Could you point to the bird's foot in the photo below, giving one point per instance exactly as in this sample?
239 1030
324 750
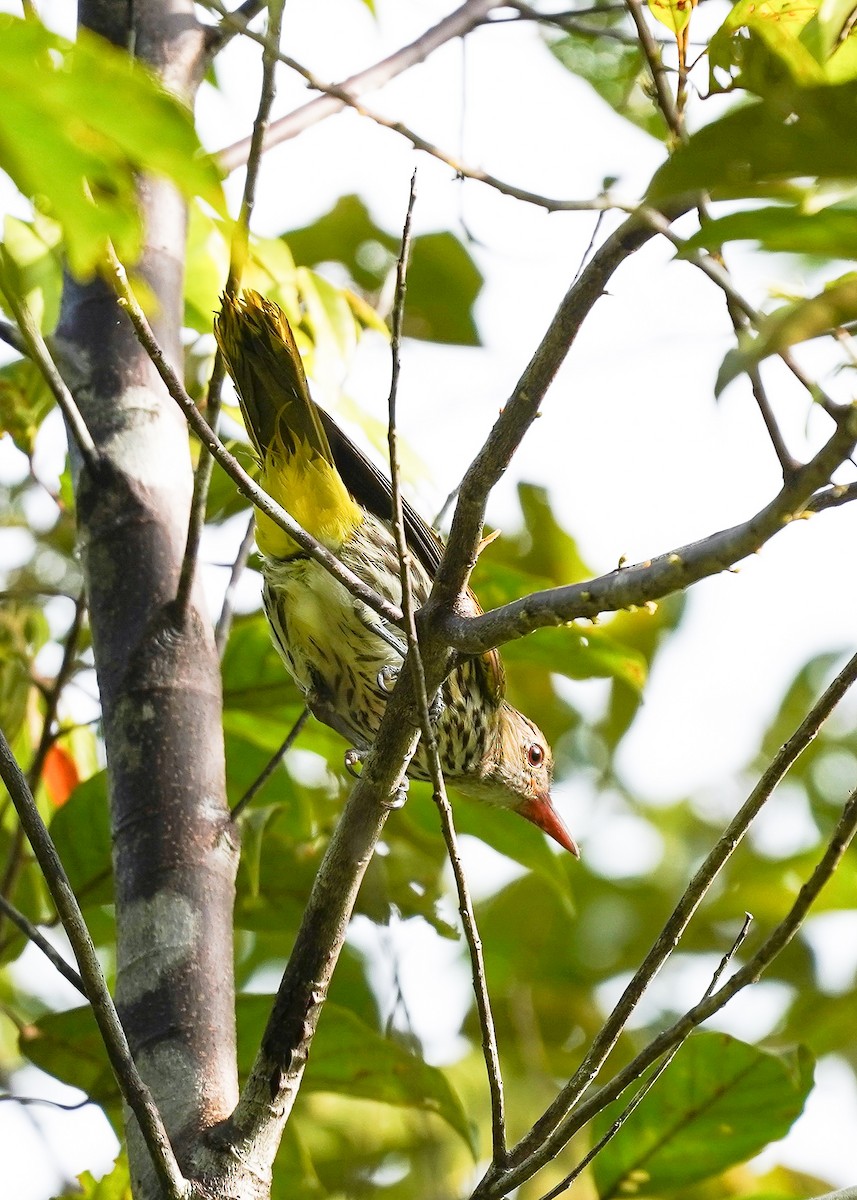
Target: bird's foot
398 798
354 758
387 679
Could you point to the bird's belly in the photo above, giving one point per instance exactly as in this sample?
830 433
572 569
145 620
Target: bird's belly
325 638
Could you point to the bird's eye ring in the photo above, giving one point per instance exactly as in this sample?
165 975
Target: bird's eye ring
535 755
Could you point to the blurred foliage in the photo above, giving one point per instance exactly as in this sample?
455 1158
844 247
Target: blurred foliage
66 141
561 939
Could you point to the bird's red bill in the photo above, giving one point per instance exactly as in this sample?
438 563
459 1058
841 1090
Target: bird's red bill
542 813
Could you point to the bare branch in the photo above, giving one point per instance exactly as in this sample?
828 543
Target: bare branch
457 24
134 1091
10 334
220 35
46 740
641 1094
554 1127
660 76
519 413
658 577
414 663
832 497
246 486
271 765
773 945
713 266
37 350
347 98
224 621
32 933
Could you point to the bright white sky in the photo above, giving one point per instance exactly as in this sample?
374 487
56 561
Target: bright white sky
637 455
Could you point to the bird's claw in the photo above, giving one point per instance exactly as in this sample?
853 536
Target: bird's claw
399 797
387 678
353 759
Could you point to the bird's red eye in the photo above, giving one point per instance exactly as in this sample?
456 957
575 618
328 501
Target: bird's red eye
535 755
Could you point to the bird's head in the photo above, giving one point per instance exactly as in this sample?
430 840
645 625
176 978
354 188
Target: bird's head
517 775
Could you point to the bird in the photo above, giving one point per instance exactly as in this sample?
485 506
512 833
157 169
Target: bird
342 655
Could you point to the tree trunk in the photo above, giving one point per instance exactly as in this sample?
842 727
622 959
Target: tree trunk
175 849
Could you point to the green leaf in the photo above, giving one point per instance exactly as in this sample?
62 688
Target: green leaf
718 1103
443 280
87 860
617 72
352 1059
443 284
35 249
115 1185
79 122
827 231
798 322
25 401
589 653
764 142
348 1057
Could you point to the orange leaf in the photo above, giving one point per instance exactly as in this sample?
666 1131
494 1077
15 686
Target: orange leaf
59 775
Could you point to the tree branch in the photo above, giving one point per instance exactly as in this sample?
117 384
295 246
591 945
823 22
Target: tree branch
37 350
270 766
341 92
134 1091
457 24
224 621
520 411
551 1131
652 580
640 1095
32 933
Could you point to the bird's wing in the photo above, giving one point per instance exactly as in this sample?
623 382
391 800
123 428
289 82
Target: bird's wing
372 490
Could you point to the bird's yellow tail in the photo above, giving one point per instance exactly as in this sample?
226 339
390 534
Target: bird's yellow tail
297 464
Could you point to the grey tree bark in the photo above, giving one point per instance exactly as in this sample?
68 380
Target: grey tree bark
175 848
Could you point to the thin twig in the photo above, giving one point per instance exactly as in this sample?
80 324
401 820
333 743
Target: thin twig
11 335
658 577
641 1094
271 765
25 1101
246 486
31 932
220 35
224 621
553 1128
38 351
714 268
428 738
774 944
237 260
134 1090
660 76
832 497
343 94
15 860
457 24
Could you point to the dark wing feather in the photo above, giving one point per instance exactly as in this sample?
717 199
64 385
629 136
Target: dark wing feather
372 490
